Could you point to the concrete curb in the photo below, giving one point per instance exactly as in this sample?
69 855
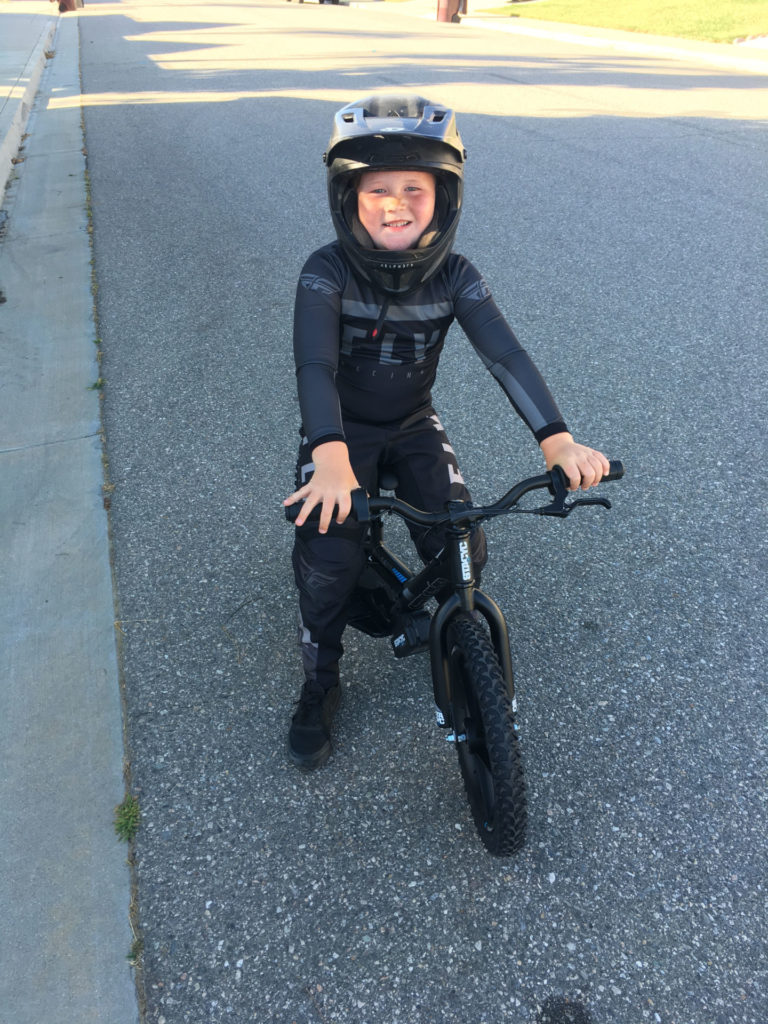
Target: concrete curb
65 884
16 109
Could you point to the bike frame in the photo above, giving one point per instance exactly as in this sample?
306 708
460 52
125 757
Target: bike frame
452 566
451 570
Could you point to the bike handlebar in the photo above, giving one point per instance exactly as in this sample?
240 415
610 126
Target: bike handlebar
554 481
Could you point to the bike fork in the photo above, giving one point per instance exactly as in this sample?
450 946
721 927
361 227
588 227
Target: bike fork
467 600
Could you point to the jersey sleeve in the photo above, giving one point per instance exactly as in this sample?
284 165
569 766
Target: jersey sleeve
496 344
316 346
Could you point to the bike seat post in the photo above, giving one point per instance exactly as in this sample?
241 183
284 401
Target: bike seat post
386 481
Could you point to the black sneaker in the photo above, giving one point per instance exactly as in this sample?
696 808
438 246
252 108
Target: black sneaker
309 738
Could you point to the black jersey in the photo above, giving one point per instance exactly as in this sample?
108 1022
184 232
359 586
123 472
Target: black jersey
362 356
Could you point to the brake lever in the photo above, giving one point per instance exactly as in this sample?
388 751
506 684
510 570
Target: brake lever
560 507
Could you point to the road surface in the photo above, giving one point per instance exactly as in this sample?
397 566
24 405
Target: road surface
616 204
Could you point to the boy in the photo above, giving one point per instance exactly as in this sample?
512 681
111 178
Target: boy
372 311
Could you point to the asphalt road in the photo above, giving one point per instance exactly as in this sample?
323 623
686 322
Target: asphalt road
617 205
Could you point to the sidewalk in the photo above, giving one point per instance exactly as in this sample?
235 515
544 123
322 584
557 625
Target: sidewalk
65 886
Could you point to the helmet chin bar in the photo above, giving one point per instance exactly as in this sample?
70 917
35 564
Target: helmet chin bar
395 272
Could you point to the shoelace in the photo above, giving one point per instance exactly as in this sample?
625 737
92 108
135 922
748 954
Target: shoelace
310 701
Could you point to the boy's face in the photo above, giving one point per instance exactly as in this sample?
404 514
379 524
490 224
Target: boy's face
396 207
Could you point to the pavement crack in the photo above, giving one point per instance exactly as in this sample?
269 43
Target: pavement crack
49 444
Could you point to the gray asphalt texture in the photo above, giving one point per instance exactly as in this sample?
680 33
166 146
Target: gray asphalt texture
619 217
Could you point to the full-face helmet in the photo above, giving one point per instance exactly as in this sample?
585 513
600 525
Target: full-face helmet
395 132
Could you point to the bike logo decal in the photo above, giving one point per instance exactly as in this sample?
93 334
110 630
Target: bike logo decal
466 561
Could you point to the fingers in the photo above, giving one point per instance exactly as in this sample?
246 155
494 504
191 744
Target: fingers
306 508
344 506
586 469
304 495
596 468
591 472
293 498
328 504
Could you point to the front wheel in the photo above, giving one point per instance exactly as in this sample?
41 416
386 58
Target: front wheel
486 739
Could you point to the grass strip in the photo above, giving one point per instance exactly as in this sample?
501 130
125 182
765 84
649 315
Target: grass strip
704 20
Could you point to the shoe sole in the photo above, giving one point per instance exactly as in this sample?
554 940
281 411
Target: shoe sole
309 762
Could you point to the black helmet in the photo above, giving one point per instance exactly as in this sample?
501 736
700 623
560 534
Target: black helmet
395 132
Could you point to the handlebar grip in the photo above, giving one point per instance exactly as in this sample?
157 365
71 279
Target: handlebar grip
359 510
615 472
292 512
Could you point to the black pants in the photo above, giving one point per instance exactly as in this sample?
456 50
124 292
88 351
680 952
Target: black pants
326 567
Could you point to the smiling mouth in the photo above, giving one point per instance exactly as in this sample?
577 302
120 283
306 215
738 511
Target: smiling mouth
396 223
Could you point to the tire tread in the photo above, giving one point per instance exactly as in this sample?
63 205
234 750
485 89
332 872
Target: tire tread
501 741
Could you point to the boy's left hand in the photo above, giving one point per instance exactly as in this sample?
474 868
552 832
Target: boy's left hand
584 467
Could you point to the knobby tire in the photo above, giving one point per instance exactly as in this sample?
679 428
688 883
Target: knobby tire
489 757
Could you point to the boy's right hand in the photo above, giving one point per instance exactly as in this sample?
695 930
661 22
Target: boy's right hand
330 486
